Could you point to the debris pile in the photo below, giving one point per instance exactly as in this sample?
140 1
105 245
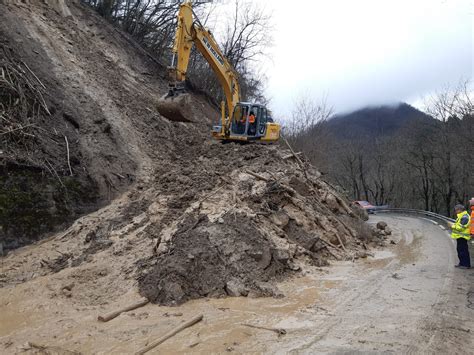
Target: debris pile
239 226
182 216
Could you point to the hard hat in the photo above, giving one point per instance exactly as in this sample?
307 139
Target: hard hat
471 201
459 207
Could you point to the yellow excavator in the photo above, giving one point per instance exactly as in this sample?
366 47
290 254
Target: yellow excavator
247 121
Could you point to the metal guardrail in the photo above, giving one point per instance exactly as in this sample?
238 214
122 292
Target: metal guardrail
421 212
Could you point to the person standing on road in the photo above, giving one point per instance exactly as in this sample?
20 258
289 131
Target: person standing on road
471 204
461 231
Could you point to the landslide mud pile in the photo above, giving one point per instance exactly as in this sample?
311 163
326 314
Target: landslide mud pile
184 216
239 218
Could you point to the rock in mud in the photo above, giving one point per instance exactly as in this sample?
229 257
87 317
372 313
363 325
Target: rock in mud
236 288
381 225
280 219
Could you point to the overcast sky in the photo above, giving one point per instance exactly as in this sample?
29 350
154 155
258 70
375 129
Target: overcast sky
361 52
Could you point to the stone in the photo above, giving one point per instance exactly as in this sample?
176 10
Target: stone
235 288
381 225
332 202
267 289
280 219
281 255
255 254
174 292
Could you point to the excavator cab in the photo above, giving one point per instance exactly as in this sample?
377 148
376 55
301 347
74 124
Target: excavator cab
245 128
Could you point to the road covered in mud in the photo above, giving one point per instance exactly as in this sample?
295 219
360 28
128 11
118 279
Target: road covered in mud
407 298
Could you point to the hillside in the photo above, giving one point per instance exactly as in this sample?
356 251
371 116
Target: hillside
134 203
375 121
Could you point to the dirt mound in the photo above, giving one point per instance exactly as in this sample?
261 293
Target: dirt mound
211 260
263 218
183 216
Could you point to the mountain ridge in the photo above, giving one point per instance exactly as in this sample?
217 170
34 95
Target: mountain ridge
380 120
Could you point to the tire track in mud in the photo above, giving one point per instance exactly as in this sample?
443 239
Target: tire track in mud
413 322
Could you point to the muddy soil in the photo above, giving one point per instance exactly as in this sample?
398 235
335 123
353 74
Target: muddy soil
101 133
406 298
182 216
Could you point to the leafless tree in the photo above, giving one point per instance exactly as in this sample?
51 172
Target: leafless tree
307 116
245 40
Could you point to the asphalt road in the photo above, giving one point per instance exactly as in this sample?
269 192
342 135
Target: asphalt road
414 301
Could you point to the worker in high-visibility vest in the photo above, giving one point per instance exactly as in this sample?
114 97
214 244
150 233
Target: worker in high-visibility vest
471 203
461 231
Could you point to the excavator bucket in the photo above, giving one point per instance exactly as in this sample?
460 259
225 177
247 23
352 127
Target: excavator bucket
176 108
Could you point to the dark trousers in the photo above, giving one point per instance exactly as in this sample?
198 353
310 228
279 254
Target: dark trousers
463 252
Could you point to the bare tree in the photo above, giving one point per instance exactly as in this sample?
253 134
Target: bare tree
307 116
244 41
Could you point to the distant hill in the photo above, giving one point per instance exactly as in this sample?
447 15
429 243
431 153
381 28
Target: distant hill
375 121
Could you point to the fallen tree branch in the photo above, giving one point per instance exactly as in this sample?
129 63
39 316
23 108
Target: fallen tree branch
258 176
170 334
340 242
51 349
112 315
296 156
329 250
31 71
279 331
17 129
290 156
209 195
68 160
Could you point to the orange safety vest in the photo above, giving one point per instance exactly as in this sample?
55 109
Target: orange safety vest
472 221
252 119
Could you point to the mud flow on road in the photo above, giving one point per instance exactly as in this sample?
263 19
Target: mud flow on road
405 299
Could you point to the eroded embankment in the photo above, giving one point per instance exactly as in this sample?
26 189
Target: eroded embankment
184 217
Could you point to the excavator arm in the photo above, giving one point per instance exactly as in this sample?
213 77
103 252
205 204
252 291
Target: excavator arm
191 32
236 124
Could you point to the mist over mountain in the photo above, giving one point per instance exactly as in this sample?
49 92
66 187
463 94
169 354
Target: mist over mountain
375 121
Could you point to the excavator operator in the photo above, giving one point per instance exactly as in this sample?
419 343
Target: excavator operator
252 126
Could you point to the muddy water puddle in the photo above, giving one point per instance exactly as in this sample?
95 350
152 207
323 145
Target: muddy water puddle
225 327
26 318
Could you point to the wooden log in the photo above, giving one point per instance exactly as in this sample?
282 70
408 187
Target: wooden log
258 176
329 250
170 334
112 315
290 156
344 205
296 156
278 331
44 349
340 242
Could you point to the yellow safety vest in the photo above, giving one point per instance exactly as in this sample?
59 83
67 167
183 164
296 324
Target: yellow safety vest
461 230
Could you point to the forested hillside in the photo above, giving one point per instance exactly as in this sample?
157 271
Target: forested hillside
396 155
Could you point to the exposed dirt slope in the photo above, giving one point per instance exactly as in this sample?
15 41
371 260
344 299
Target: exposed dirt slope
188 217
101 92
